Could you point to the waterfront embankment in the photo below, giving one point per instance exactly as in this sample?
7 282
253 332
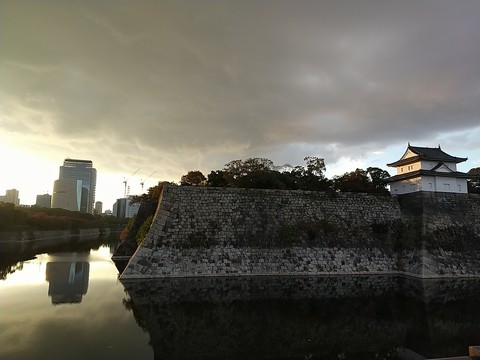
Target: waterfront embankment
36 241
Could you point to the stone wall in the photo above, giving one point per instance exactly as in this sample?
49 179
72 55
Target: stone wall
245 232
450 233
444 213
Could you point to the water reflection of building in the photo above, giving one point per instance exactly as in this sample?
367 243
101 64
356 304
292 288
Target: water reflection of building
68 281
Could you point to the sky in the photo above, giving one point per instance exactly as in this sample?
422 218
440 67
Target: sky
159 88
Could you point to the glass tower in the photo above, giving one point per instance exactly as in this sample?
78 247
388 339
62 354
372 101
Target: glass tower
84 171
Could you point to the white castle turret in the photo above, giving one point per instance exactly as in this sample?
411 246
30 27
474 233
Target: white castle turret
427 169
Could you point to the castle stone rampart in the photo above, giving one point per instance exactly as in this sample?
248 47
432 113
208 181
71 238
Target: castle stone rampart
200 231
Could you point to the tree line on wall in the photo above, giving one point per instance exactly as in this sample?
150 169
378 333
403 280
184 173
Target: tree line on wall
261 173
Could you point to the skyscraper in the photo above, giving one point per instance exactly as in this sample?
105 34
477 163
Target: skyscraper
81 170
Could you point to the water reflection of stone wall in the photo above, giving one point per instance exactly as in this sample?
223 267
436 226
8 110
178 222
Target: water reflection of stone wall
325 317
14 243
223 232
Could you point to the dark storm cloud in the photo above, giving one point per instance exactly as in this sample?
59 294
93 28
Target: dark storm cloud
205 81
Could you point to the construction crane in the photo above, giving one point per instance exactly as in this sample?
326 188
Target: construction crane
125 183
142 182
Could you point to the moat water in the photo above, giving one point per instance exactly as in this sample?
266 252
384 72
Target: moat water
69 304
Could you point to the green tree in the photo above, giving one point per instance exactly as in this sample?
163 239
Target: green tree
378 179
474 182
309 177
315 166
354 181
153 193
238 168
217 179
261 173
9 216
38 218
263 179
250 173
143 231
193 178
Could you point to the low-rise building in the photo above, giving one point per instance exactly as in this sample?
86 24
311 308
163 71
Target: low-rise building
124 208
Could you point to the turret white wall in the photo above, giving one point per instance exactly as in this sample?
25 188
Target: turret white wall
429 183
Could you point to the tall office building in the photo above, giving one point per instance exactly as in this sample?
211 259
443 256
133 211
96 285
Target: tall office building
11 196
83 171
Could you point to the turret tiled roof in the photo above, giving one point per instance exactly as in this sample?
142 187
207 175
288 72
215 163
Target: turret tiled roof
426 153
417 173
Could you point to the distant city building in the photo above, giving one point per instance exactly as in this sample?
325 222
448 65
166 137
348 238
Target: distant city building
115 208
67 194
11 196
83 171
123 208
44 200
427 169
98 208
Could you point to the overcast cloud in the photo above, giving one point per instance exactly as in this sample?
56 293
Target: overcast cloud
194 84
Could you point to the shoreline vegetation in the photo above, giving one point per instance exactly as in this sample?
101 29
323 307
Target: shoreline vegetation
29 219
33 229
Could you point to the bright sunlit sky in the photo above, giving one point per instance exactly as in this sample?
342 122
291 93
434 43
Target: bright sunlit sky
173 86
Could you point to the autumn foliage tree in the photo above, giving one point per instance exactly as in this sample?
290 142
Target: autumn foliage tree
38 218
152 194
139 225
